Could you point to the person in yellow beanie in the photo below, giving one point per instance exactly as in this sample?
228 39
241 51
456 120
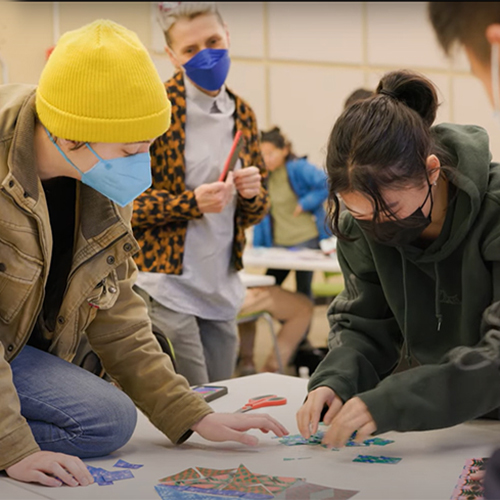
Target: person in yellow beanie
74 153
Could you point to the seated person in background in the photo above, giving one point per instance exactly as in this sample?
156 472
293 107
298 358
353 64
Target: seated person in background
298 191
293 310
357 95
419 247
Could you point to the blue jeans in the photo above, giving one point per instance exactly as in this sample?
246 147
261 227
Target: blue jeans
69 409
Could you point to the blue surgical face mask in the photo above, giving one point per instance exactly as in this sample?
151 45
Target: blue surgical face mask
119 179
495 84
209 68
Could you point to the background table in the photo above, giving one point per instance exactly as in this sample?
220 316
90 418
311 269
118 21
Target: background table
429 469
254 280
304 259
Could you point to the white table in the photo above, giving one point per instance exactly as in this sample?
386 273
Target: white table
253 280
429 469
305 259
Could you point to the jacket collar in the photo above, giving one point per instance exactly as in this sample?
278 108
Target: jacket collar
98 213
176 89
21 158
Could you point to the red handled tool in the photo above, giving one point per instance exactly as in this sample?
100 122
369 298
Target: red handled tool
233 155
262 402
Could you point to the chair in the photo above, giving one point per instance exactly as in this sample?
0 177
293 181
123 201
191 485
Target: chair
247 318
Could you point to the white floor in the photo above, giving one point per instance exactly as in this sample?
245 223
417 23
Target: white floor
430 466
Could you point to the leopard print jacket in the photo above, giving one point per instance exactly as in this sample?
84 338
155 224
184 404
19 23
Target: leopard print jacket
161 214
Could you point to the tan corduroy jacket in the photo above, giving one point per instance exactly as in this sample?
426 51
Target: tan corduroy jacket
113 316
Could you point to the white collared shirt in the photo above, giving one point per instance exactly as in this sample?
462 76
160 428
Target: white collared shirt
209 287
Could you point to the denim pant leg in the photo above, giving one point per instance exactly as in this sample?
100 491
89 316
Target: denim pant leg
69 409
220 344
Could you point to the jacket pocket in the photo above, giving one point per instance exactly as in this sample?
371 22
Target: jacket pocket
105 293
18 275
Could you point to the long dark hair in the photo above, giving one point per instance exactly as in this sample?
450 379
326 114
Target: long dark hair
278 140
383 142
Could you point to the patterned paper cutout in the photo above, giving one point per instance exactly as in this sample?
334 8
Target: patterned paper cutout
185 474
242 484
117 475
467 488
276 484
223 494
174 493
315 439
378 441
215 472
371 459
127 465
104 477
304 491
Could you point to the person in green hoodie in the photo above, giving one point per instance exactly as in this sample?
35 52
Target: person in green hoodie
419 248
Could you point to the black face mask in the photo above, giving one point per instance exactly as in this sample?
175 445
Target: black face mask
400 232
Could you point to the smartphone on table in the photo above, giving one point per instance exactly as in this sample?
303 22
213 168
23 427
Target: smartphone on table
210 392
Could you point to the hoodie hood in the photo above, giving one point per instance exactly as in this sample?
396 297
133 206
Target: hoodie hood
468 148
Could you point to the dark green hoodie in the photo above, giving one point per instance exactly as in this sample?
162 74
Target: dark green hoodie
440 305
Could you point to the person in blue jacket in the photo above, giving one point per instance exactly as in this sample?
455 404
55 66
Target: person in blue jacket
298 191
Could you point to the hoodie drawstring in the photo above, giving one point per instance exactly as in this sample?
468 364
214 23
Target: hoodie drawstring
437 305
405 321
438 314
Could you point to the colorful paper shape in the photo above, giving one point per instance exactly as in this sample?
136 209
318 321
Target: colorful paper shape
175 493
305 491
378 441
185 474
242 484
315 439
468 488
371 459
105 477
127 465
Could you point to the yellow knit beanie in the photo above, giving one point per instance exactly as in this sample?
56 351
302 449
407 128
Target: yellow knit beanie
100 85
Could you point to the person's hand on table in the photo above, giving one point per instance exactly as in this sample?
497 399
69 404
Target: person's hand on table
343 419
247 181
352 417
309 414
233 427
213 197
51 469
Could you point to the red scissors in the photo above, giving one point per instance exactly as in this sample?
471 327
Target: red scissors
262 402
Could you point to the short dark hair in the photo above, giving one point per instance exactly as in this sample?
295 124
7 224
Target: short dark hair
381 142
276 137
464 23
356 95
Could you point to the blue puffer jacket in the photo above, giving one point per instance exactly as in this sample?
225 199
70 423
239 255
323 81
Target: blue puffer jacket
310 184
